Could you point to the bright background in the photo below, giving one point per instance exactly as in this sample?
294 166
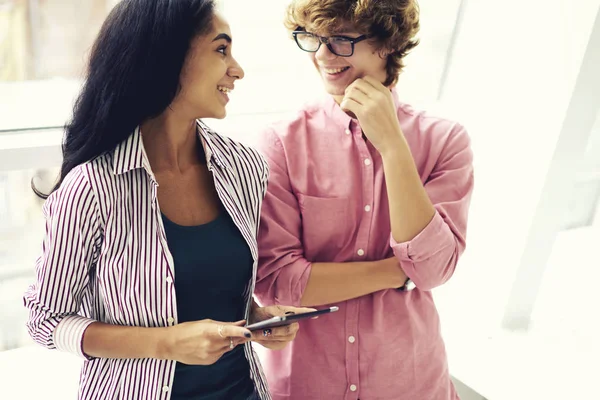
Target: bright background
518 316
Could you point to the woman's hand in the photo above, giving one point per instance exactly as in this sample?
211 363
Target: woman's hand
276 338
203 342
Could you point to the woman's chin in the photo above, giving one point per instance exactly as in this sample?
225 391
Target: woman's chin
221 115
217 114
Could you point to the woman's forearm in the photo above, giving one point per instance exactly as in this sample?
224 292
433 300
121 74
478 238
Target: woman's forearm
113 341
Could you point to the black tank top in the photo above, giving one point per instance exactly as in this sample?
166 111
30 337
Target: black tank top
213 266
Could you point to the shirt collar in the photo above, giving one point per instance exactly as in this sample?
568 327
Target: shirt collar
211 142
131 154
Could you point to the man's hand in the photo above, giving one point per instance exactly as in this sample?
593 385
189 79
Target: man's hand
276 338
373 105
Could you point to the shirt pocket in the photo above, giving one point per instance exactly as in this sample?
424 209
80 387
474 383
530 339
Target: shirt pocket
324 226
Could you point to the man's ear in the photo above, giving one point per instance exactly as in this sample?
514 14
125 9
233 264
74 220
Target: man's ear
384 53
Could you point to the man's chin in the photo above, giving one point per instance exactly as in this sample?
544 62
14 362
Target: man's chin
335 90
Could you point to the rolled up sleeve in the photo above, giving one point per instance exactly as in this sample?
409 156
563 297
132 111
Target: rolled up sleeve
62 271
283 271
430 258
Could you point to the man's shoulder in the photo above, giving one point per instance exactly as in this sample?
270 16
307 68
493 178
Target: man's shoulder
432 123
298 122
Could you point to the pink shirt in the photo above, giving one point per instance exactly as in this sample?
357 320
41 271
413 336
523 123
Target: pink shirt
326 202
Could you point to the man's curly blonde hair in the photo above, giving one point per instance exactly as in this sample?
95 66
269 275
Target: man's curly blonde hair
390 24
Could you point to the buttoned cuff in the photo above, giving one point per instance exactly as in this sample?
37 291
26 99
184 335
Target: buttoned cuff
68 335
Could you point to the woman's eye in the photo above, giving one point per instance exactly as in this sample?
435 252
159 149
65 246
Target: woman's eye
222 50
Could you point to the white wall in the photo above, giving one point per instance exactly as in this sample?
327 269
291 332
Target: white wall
510 82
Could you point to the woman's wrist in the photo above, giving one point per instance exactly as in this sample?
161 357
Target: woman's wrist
162 339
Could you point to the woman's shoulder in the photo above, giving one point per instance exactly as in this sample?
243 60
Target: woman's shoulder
236 152
74 193
82 181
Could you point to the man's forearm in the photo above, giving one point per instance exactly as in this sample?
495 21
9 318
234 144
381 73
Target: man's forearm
411 209
330 283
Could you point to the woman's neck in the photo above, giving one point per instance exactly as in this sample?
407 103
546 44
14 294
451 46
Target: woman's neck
171 143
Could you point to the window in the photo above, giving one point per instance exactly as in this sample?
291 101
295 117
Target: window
42 57
43 48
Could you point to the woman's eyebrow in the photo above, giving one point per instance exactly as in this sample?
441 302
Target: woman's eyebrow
222 36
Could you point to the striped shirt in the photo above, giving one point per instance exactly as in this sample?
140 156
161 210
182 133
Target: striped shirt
105 258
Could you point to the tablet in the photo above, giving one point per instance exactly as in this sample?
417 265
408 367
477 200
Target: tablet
288 319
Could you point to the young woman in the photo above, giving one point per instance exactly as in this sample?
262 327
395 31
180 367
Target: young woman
149 260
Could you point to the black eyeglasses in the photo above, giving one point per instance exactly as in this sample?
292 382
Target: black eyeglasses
342 46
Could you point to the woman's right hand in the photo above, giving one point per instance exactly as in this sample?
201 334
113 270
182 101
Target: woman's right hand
203 342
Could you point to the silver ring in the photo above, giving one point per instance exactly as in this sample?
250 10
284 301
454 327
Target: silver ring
221 327
231 343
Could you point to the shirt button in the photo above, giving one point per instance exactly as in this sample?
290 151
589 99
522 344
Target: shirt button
367 161
367 208
360 252
348 131
352 339
169 279
353 388
170 320
165 389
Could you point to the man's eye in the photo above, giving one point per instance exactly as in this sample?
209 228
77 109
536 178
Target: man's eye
339 40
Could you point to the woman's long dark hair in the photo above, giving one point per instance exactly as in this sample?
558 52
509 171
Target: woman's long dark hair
133 74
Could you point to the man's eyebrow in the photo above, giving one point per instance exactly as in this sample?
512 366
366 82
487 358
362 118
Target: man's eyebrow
222 36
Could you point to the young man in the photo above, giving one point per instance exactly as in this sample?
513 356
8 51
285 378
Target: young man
366 209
